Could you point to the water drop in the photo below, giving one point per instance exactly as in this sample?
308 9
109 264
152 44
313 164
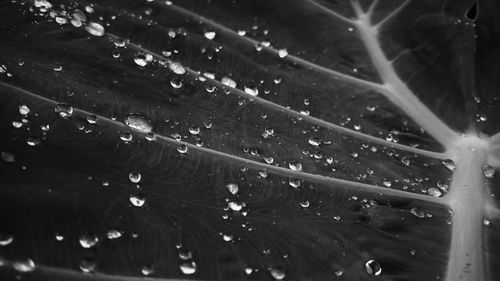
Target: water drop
314 141
143 59
7 157
417 212
135 177
87 265
235 205
188 267
64 110
95 29
24 109
277 273
228 237
25 265
88 240
137 200
138 122
176 83
177 68
6 239
182 148
42 4
113 234
194 130
488 171
210 35
252 91
434 192
126 137
232 188
282 53
147 270
295 166
304 204
373 268
228 82
294 183
91 119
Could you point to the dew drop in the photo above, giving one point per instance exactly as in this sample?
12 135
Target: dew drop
64 110
251 91
137 200
87 265
6 239
228 82
232 188
182 148
227 237
235 205
294 183
194 130
486 222
417 212
147 270
113 234
489 171
282 53
373 268
314 141
295 166
277 273
138 122
88 240
434 192
95 29
134 177
24 109
210 35
25 265
188 267
143 59
177 68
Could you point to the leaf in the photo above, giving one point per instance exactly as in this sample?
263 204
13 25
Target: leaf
248 140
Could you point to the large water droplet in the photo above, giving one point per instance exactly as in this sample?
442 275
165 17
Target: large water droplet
143 59
88 240
188 267
113 234
252 91
137 200
24 109
138 122
228 82
489 171
277 273
177 68
64 110
6 239
434 192
25 265
373 268
232 188
134 177
282 53
95 29
210 35
295 166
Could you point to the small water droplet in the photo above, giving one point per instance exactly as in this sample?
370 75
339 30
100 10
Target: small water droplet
314 141
235 205
143 59
294 183
489 171
304 204
64 110
373 268
88 240
486 222
417 212
227 237
138 122
95 29
188 267
232 188
7 157
194 130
